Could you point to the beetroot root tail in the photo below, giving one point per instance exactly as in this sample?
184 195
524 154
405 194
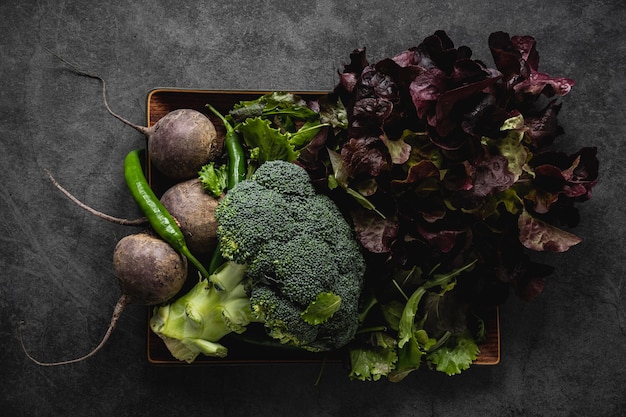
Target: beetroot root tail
121 304
142 221
144 130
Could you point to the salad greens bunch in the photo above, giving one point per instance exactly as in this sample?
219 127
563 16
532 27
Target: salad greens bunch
446 169
456 158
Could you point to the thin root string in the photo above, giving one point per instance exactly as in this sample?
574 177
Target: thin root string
121 304
76 69
142 221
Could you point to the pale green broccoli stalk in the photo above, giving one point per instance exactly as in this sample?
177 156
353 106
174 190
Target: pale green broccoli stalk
195 322
304 263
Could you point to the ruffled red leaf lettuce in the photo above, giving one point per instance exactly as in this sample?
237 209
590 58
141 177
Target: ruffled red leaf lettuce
447 161
517 58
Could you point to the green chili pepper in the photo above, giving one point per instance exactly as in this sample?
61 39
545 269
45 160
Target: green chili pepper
160 219
236 171
234 151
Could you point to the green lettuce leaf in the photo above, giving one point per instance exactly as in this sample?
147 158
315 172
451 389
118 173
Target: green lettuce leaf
214 178
278 103
322 308
374 360
276 126
455 356
409 359
399 150
265 142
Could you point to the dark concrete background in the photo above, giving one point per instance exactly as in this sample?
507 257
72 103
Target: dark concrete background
562 355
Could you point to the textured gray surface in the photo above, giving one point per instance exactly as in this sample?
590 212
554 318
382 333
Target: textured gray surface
562 355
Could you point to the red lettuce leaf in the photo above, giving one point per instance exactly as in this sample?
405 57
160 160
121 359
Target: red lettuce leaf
518 59
367 156
418 172
426 136
557 173
543 128
426 89
536 234
375 233
491 174
441 235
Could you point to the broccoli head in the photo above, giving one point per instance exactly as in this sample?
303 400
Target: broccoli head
304 264
292 263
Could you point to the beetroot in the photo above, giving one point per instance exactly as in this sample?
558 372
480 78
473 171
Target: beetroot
149 272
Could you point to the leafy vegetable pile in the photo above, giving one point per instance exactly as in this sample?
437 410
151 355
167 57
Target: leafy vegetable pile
379 220
446 169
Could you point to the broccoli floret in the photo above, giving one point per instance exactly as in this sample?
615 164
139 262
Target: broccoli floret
195 322
276 262
284 178
281 317
263 209
297 245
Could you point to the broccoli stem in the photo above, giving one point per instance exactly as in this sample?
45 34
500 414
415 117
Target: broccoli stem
198 320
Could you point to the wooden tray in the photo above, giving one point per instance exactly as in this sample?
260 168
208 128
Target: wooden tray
161 101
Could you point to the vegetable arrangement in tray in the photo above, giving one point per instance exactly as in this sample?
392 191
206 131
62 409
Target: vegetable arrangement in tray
377 221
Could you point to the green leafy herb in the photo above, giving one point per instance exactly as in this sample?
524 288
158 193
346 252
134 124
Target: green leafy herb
457 356
214 178
265 142
322 308
374 360
276 126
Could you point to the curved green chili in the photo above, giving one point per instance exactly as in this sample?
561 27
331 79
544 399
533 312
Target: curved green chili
236 171
160 219
234 151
